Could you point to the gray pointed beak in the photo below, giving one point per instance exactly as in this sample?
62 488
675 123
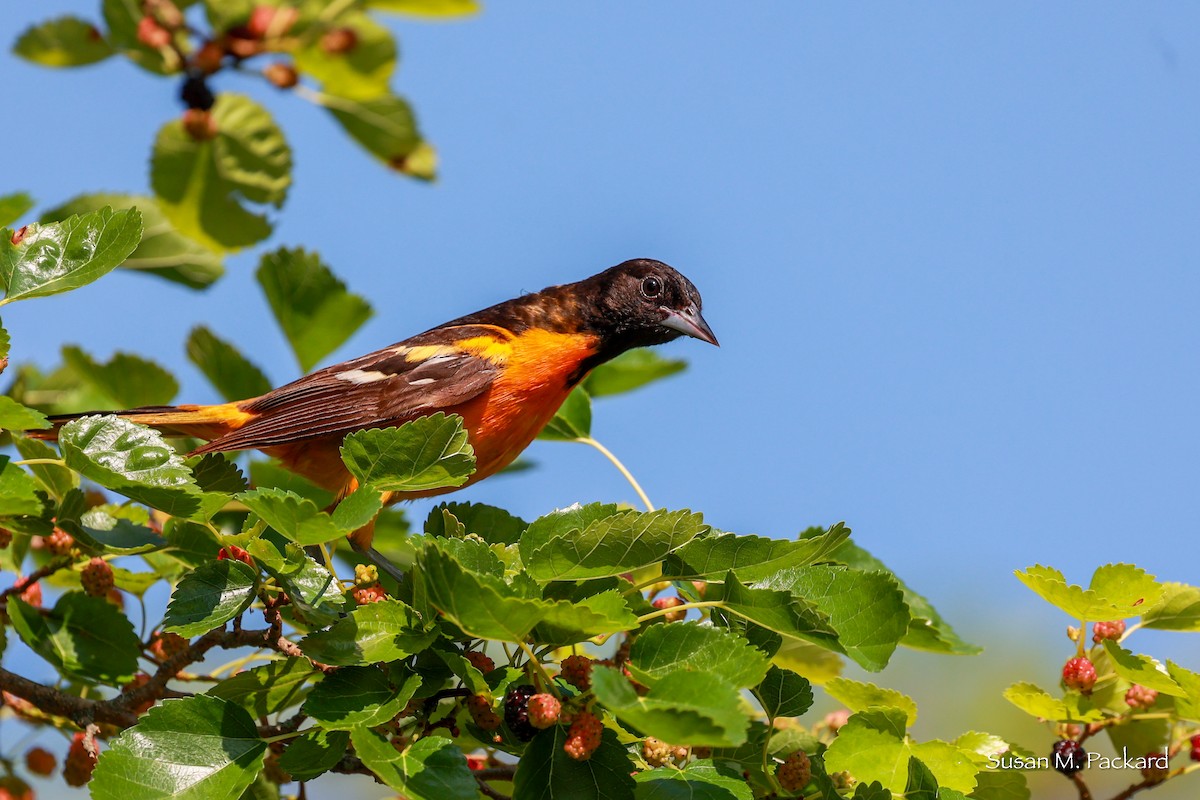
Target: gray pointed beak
689 323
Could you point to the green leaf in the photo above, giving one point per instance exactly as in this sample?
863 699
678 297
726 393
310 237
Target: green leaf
314 592
1038 703
493 525
432 768
662 649
85 638
383 125
189 749
122 18
214 472
314 753
752 558
364 71
105 529
926 630
18 492
63 42
267 689
12 208
359 696
357 509
631 370
865 608
227 370
858 696
428 453
16 417
562 522
486 607
781 612
210 596
1177 610
315 310
699 780
880 753
55 479
163 250
784 694
269 475
130 459
693 708
1186 707
1141 669
1000 784
201 186
546 772
61 256
573 420
614 545
5 347
384 631
1117 591
131 381
817 664
292 515
427 8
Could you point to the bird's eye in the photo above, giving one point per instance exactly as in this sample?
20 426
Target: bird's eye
652 287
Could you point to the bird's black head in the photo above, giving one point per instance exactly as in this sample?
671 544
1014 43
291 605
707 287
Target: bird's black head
644 302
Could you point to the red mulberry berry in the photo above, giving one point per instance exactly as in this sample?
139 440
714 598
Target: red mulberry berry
233 552
40 761
1139 696
81 760
167 645
151 34
480 661
369 594
477 763
339 40
1079 673
281 76
670 602
13 788
33 594
1157 767
1108 630
583 737
97 577
577 671
480 709
795 772
544 710
59 543
1068 756
5 538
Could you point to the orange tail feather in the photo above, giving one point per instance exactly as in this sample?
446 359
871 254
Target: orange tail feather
202 422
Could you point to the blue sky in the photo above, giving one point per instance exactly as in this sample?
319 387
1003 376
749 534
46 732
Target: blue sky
950 252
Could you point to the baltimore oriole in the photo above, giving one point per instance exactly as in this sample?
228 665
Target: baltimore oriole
505 370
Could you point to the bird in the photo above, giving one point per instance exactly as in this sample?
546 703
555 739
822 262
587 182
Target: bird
505 370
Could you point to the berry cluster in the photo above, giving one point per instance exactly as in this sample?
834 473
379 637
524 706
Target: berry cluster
583 737
480 661
97 578
480 709
1138 696
1108 630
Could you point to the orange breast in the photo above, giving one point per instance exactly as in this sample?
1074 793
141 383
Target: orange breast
502 421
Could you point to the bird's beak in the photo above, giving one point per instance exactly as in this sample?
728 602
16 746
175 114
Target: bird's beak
689 323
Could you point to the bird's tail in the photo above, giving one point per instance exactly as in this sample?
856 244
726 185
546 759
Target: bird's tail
202 422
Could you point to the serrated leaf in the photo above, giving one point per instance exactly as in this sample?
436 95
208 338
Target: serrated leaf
60 256
355 697
16 417
85 638
130 459
357 509
784 694
1117 591
315 310
859 696
267 689
57 480
230 373
387 630
364 71
1039 703
662 649
293 516
631 370
817 664
427 453
546 772
383 125
1000 784
752 558
865 608
691 708
1177 610
700 780
269 475
779 611
214 472
871 754
12 208
103 531
185 749
614 545
314 591
562 522
314 753
201 186
431 768
1142 670
572 421
1186 707
130 380
210 596
62 42
163 251
18 491
493 525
